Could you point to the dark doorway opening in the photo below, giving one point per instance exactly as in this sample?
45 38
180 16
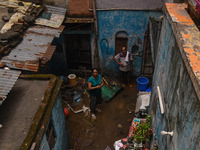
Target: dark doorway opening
119 43
78 51
121 40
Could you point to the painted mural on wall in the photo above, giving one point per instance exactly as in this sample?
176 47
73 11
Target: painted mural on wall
127 24
181 104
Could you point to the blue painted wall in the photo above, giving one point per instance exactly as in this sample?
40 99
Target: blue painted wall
134 23
59 123
181 104
44 144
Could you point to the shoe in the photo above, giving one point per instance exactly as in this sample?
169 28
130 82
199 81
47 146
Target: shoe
98 110
94 117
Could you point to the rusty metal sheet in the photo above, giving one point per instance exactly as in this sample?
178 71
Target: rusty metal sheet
35 47
56 10
57 15
7 81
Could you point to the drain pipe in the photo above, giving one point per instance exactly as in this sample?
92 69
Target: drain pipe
167 133
88 2
160 100
96 51
151 41
158 37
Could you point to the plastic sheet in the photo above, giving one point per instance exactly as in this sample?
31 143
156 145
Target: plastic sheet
108 92
142 101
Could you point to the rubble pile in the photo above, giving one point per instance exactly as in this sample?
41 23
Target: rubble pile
13 36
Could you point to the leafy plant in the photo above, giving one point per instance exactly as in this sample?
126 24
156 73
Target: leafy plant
142 131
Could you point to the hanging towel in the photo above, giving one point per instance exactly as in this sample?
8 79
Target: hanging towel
127 57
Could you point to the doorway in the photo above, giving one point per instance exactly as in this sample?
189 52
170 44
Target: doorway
121 40
119 43
78 51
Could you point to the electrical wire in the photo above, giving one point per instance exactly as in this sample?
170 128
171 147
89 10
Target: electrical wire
77 26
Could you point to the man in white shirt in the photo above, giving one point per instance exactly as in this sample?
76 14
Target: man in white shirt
125 64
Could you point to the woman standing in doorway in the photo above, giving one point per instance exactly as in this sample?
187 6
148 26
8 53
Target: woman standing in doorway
95 82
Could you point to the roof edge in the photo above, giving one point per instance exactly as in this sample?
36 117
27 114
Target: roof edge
41 117
187 36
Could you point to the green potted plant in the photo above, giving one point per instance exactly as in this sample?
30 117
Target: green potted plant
142 133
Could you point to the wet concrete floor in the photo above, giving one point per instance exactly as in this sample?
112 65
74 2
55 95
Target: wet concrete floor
112 122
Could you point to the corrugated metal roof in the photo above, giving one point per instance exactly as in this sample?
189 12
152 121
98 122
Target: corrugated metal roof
56 18
7 80
56 10
34 50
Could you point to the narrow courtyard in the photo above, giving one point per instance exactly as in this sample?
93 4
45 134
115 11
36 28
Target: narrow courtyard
112 123
58 57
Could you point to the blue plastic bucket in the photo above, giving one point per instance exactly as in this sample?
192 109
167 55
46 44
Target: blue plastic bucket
142 83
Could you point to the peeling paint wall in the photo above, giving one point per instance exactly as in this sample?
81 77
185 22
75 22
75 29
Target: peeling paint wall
181 104
58 118
44 144
134 23
59 123
80 8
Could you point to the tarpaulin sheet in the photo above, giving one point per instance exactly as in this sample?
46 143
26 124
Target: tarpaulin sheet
108 92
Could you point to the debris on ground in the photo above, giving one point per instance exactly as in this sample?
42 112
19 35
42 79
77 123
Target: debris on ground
119 126
84 109
108 148
108 92
109 89
77 100
16 22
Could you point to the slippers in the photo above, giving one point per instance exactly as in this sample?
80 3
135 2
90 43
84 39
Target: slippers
94 117
97 109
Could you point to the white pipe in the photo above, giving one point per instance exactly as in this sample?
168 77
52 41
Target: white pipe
160 100
89 6
84 109
167 133
33 146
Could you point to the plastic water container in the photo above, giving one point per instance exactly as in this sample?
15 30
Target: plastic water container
142 83
72 79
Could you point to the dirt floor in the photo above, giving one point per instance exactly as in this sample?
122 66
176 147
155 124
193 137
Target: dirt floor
112 122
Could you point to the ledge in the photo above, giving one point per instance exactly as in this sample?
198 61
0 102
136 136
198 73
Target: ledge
187 36
41 118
